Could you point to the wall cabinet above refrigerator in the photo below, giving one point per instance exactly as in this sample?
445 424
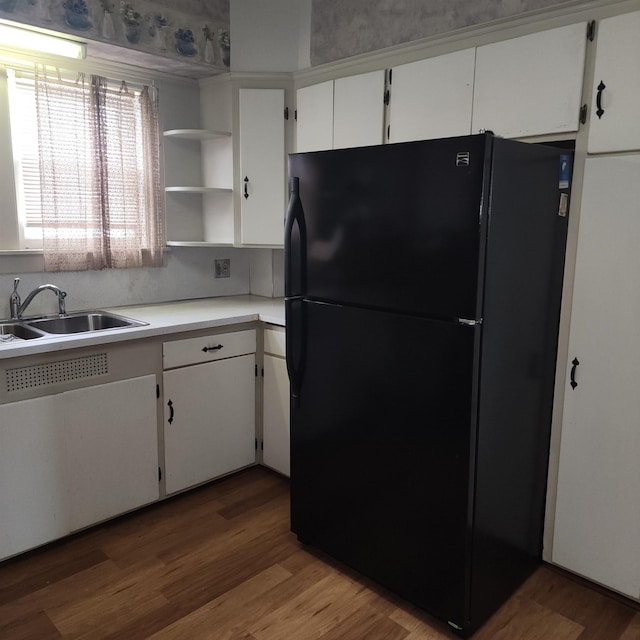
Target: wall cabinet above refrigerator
526 86
347 112
530 85
432 98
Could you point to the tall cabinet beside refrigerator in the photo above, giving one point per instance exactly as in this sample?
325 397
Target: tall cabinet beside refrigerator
423 284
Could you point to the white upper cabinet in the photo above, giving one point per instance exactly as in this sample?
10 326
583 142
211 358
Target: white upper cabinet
358 110
615 98
262 162
530 85
348 112
432 98
314 117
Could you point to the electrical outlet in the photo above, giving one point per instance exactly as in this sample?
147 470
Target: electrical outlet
222 268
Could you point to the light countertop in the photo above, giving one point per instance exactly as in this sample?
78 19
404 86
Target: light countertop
163 319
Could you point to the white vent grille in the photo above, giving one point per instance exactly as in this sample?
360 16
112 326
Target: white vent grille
42 375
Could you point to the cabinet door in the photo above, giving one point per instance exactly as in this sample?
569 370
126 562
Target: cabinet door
432 98
597 523
209 426
111 432
314 117
358 110
276 415
617 55
34 502
262 162
530 85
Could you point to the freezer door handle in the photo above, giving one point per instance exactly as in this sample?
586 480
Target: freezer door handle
295 243
469 323
295 320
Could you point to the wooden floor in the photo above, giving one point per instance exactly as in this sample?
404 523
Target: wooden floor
220 563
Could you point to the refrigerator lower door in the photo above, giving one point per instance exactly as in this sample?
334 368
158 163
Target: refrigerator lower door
380 449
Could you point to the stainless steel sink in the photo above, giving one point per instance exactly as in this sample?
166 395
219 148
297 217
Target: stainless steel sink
82 322
19 330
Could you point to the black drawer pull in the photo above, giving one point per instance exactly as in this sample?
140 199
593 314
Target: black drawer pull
216 348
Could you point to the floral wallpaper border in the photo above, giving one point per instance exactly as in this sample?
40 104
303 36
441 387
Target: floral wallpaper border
201 36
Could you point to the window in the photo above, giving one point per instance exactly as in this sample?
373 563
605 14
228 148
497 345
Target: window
86 158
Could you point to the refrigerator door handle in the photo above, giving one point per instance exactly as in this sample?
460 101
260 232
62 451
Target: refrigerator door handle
468 322
295 243
295 322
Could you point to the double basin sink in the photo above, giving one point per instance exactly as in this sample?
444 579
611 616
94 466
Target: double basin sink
80 322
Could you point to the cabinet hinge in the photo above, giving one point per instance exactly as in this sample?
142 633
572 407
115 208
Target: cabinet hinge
591 30
388 132
583 114
390 76
261 445
157 391
295 115
262 371
159 474
256 371
387 96
286 113
256 444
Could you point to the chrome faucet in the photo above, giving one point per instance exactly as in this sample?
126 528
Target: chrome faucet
17 307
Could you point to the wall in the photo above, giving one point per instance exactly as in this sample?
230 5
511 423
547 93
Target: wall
160 34
270 36
342 29
188 272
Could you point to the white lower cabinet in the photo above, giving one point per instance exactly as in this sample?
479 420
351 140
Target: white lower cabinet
209 426
34 502
275 425
597 520
112 445
75 458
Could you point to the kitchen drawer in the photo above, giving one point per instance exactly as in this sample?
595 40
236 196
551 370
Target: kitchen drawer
274 342
179 353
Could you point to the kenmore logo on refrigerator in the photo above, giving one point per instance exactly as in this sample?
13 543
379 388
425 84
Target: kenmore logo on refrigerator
462 159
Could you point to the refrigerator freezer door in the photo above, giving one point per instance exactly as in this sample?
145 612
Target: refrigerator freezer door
384 398
395 226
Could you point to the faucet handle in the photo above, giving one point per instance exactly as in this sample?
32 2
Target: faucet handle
14 300
62 309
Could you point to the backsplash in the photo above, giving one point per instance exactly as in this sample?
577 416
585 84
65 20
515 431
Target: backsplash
188 274
190 37
343 29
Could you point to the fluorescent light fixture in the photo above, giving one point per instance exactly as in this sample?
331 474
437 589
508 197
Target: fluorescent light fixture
26 40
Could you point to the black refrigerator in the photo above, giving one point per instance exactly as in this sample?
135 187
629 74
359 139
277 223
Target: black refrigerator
422 289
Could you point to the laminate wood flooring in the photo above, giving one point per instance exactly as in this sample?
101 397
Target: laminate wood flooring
220 563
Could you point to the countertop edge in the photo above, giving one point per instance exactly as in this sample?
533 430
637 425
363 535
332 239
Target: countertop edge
163 319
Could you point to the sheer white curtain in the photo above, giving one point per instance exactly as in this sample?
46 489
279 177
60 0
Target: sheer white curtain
99 150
